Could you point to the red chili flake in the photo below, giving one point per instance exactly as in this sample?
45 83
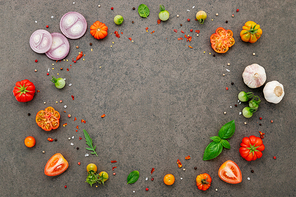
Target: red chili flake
79 56
74 61
147 189
36 61
260 118
158 21
237 10
152 32
103 116
274 157
188 157
72 97
65 186
47 26
226 88
47 74
197 31
146 28
80 138
152 170
114 173
50 139
75 119
38 90
271 121
115 32
179 163
121 32
175 30
188 20
76 130
113 168
189 38
195 19
261 135
191 30
180 38
190 47
182 32
152 179
78 163
130 39
77 127
113 161
83 121
112 8
69 115
67 69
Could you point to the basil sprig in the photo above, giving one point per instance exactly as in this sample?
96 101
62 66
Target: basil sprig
215 148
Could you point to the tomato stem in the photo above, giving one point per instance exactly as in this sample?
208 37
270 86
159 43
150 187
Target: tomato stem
22 89
201 21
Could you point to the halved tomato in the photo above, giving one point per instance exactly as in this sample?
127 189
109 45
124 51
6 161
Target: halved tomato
230 172
56 165
222 40
48 119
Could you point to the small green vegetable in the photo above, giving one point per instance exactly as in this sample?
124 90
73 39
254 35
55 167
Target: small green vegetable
89 143
91 178
254 103
215 148
133 177
163 15
244 96
118 19
58 82
143 10
248 112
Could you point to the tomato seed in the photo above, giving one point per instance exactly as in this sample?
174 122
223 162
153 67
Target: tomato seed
36 61
112 8
274 157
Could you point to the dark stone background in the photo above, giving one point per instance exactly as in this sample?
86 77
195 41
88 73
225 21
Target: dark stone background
162 100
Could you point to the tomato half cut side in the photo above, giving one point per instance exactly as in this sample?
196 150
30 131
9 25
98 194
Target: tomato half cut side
56 165
230 172
48 119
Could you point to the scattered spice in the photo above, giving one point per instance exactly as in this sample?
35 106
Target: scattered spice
50 139
47 26
112 8
226 21
147 189
65 186
79 163
188 19
152 179
226 88
274 157
103 116
152 32
252 171
75 118
260 124
90 44
158 21
181 25
114 173
72 97
133 22
77 127
83 121
61 68
69 115
77 148
237 10
180 38
113 161
182 32
79 56
261 135
188 157
191 30
64 124
175 30
113 168
235 105
232 83
214 55
146 28
67 69
130 39
260 118
152 170
29 114
74 62
197 31
134 8
195 168
271 121
179 163
36 61
80 138
47 74
190 47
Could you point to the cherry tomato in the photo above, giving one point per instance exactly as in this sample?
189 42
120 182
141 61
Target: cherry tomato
230 172
92 167
30 141
56 165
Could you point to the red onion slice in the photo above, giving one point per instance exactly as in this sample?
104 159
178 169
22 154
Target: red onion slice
60 47
40 41
73 25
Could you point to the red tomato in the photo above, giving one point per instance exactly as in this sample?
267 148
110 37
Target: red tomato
251 148
24 90
30 141
203 181
230 172
56 165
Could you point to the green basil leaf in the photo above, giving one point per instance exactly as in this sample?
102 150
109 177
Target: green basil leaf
133 177
227 130
215 138
143 10
212 150
225 143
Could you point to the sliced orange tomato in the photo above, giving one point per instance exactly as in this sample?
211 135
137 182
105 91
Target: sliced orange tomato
230 172
251 32
56 165
222 40
48 119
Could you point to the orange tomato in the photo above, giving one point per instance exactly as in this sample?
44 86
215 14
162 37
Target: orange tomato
222 40
203 181
169 179
251 32
48 119
99 30
230 172
30 141
56 165
92 167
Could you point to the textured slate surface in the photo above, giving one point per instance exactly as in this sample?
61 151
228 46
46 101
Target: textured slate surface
162 100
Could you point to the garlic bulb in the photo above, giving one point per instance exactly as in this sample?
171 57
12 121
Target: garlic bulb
254 76
273 92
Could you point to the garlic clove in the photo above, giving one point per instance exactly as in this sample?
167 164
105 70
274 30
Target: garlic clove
273 92
254 76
